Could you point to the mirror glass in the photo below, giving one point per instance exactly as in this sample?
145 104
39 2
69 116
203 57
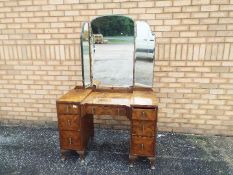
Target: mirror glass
144 55
113 51
86 55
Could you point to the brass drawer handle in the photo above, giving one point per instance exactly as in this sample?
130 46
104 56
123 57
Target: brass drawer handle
67 108
142 146
70 140
68 122
143 114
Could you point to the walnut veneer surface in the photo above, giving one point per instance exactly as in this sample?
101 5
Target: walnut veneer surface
75 111
137 97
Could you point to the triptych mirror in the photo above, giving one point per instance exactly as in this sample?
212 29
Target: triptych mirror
117 52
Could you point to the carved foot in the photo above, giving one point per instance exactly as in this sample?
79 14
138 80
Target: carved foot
131 160
152 163
63 156
81 155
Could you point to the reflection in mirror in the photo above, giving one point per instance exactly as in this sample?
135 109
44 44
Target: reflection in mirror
113 50
85 52
144 55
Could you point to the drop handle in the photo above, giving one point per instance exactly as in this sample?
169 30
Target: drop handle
143 114
67 108
70 140
142 146
68 122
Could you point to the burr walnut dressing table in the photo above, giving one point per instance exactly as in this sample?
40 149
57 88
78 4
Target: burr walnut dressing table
133 98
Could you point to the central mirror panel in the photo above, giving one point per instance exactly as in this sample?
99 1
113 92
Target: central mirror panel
113 51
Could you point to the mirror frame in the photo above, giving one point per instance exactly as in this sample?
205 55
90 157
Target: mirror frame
134 53
82 54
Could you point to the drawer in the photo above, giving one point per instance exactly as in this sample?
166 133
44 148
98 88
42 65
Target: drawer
69 122
106 110
143 127
144 114
143 146
70 140
67 108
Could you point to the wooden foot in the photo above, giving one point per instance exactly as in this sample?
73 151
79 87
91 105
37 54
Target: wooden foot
152 163
81 155
131 160
63 157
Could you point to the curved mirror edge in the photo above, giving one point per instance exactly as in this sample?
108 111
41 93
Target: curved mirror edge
144 55
85 55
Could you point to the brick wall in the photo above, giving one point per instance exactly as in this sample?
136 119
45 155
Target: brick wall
40 59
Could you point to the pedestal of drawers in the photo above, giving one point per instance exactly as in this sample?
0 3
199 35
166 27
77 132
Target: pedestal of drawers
74 129
143 134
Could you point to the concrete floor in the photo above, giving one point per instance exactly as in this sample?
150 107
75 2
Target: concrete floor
36 151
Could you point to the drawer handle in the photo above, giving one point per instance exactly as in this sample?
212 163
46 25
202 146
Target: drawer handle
67 108
68 121
142 146
70 140
143 114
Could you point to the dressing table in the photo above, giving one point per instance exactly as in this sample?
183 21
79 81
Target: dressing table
77 108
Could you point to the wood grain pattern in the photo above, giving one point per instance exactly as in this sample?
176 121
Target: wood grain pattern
143 146
67 108
143 128
69 122
105 110
70 140
143 114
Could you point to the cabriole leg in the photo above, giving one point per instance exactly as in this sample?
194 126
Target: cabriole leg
152 162
132 160
63 157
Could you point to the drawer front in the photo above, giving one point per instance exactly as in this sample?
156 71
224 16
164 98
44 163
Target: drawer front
144 114
70 140
67 108
106 110
69 122
143 146
143 128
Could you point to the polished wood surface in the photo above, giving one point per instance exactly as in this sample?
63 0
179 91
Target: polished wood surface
143 114
143 128
76 109
143 146
75 95
69 122
64 108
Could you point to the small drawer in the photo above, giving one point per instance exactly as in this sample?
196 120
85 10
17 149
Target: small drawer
143 146
143 128
67 108
106 110
70 140
69 122
144 114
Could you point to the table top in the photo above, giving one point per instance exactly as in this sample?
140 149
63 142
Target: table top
90 96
